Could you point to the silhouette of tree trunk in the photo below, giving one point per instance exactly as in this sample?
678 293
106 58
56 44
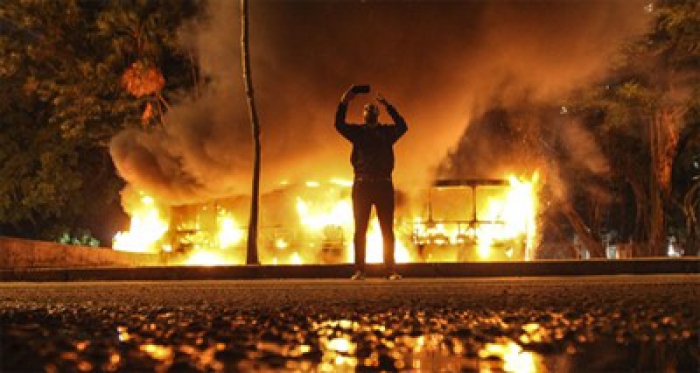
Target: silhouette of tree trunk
591 241
641 219
691 204
664 145
252 247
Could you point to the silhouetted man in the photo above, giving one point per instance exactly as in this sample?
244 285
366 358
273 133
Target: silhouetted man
373 162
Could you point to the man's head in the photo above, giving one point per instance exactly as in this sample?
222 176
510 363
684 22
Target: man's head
371 115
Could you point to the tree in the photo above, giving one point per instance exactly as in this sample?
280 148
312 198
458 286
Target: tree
643 107
62 100
686 179
252 252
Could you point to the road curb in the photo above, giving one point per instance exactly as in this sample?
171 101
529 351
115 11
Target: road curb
412 270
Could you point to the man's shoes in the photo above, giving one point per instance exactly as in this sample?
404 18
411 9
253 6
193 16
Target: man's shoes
394 276
359 275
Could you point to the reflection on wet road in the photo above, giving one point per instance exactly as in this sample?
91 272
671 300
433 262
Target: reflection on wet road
514 325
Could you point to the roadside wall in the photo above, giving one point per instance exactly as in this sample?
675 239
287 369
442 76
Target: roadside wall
18 253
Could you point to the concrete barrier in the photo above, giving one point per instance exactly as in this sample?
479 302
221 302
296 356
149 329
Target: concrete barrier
18 253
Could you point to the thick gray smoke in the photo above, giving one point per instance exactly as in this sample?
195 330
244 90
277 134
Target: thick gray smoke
440 63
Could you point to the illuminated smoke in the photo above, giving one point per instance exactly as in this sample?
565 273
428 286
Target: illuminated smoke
442 64
525 138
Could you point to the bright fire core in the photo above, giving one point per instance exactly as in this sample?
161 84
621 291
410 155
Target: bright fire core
312 223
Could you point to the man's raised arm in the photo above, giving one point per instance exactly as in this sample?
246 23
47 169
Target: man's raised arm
348 131
399 123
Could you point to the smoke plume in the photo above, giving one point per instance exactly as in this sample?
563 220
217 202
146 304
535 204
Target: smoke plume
442 64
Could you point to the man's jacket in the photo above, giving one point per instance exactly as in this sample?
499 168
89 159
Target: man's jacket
372 148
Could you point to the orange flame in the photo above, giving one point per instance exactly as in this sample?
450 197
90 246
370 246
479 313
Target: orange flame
148 225
324 220
517 212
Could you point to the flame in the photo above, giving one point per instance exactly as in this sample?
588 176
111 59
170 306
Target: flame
321 224
375 246
507 219
229 233
317 217
341 182
296 259
147 225
205 258
338 214
281 243
517 213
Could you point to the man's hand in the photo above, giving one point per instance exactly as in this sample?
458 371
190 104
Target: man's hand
382 100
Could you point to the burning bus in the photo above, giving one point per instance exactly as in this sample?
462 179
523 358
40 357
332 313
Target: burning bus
477 219
312 223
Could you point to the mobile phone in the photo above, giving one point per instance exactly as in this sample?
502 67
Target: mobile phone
362 88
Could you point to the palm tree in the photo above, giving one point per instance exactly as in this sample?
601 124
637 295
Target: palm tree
252 249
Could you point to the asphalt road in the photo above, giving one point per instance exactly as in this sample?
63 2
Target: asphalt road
604 323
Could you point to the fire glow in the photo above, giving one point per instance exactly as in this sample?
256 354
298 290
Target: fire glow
517 212
147 226
318 229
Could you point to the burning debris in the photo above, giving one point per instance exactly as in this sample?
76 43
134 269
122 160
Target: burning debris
312 223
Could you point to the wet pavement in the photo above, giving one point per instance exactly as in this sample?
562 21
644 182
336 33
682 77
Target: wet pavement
562 324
